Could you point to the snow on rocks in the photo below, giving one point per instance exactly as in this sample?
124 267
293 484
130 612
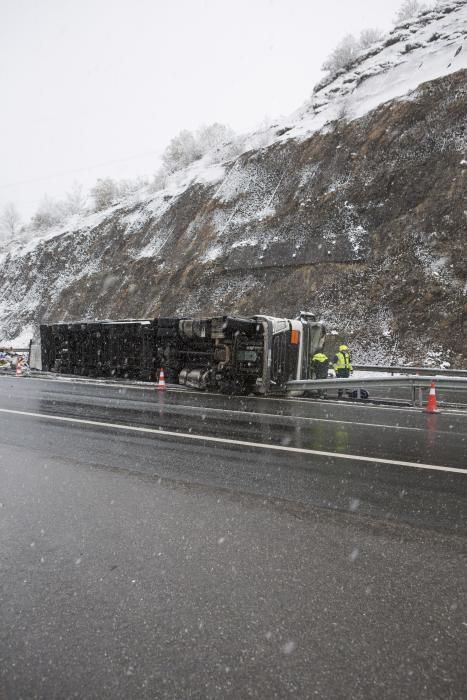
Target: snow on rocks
431 46
212 253
21 340
245 243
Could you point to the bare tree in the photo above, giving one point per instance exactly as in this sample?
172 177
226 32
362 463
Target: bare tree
343 55
213 135
48 214
159 181
369 36
104 193
409 9
131 185
10 221
75 200
181 151
187 146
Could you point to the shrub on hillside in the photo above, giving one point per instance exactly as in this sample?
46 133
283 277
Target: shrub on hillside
104 193
48 214
187 146
75 201
342 56
181 151
409 9
10 221
369 36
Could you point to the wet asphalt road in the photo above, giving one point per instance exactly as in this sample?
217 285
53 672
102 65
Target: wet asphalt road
138 565
421 496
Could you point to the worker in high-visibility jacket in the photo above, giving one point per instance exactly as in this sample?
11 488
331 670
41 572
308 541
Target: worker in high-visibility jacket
320 365
319 368
342 365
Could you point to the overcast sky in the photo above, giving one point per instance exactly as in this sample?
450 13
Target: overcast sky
91 88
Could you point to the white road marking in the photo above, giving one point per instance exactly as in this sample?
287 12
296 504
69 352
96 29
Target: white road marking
243 443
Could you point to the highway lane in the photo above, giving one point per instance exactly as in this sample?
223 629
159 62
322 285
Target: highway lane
140 565
405 434
423 496
116 585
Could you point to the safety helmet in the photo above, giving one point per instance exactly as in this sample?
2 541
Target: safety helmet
343 348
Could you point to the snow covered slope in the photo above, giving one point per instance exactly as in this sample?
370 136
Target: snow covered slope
423 49
354 207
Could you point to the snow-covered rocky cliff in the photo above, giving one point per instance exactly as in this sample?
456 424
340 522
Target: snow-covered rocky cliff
354 207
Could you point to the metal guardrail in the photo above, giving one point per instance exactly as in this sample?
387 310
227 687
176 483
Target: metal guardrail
351 383
423 371
414 382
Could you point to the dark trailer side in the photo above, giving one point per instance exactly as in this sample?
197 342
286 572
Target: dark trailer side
224 353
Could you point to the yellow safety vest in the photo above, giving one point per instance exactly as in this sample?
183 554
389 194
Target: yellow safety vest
343 361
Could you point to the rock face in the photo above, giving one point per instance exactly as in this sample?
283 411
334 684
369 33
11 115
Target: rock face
363 222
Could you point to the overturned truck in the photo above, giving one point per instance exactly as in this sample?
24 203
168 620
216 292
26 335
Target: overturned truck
231 354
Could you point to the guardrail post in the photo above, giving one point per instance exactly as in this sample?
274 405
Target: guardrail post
420 394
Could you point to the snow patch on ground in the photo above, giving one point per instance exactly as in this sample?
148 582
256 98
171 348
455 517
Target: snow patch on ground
235 183
245 243
265 213
154 247
201 171
356 237
210 175
212 253
134 220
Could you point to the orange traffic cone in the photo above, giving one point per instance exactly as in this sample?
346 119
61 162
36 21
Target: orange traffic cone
161 384
432 406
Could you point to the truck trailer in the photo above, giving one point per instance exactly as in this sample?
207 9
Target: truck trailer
231 354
